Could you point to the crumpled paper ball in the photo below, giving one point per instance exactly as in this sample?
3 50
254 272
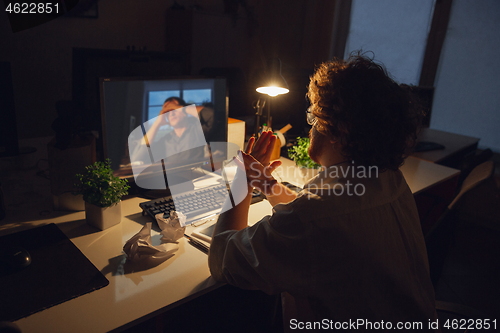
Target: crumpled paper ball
140 248
172 229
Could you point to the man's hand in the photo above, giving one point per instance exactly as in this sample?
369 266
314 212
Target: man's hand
263 148
258 175
167 107
258 171
256 160
170 106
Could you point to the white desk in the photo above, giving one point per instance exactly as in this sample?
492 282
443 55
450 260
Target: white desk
136 296
129 295
457 147
420 175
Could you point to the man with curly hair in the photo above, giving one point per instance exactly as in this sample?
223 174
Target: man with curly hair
337 256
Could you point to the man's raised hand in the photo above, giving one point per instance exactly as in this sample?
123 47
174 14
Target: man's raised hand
262 149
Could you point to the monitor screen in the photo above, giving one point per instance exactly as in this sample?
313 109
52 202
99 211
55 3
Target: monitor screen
141 140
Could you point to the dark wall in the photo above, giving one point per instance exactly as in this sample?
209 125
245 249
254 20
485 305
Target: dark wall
297 31
41 56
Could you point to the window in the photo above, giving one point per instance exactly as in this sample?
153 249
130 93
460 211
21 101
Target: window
156 99
192 91
396 31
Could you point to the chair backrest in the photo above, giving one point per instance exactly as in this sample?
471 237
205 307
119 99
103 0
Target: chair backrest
478 175
438 239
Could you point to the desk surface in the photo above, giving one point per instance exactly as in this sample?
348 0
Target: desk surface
453 143
135 293
420 175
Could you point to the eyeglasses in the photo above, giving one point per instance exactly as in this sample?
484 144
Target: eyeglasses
311 119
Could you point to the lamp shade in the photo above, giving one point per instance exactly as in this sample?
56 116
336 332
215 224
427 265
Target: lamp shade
272 90
275 84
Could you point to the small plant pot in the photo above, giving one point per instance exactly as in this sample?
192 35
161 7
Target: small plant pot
103 217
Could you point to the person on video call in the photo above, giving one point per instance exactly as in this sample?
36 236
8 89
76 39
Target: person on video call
205 114
185 131
336 252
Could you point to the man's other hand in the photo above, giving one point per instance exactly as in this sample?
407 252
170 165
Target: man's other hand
262 149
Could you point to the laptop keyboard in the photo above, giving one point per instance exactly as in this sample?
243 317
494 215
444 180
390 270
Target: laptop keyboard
195 204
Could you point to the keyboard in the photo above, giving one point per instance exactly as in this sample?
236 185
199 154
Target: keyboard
195 204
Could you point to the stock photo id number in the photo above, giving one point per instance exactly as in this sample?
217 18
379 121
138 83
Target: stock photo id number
28 14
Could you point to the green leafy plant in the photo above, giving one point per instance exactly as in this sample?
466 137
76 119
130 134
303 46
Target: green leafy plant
299 154
99 186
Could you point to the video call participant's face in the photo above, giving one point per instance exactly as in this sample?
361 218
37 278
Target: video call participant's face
174 113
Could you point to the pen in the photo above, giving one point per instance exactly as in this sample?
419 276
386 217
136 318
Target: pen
197 243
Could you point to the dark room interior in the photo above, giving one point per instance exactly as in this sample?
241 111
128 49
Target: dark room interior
54 76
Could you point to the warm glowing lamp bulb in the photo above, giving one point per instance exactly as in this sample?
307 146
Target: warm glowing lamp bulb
272 91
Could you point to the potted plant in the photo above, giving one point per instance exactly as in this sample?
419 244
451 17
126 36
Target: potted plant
102 192
299 154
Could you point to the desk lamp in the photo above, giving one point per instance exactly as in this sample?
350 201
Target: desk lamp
274 85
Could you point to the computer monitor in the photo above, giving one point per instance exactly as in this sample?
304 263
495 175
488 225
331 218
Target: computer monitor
131 105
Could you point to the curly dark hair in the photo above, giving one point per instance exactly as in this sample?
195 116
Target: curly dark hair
179 100
356 102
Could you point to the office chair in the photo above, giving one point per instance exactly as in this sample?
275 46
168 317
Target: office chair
439 237
434 204
470 163
438 241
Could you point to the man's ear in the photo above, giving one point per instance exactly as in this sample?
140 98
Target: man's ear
334 141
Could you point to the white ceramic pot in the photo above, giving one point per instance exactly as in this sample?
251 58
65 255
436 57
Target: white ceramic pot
103 217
